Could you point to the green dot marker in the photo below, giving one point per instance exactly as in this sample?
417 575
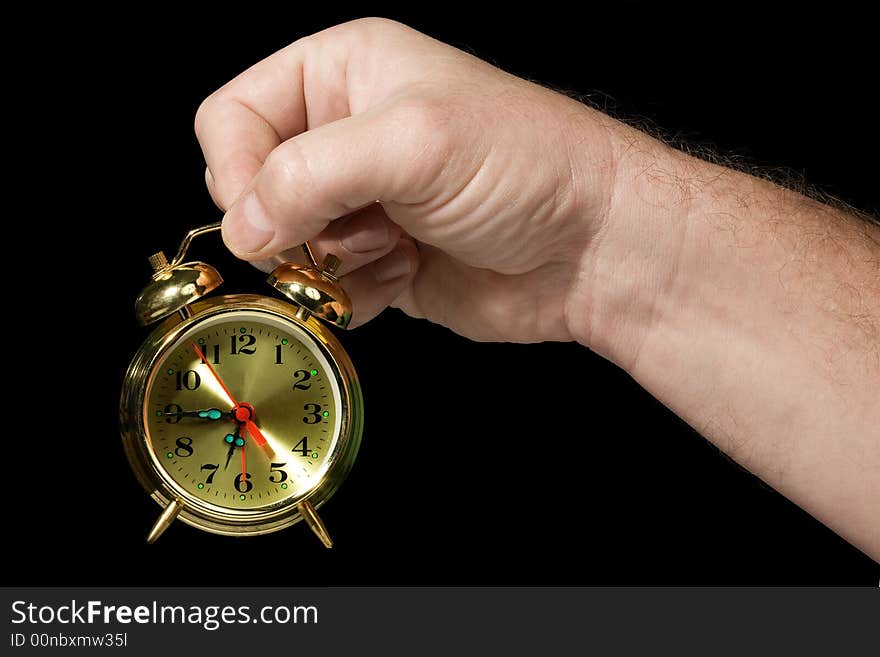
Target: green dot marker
241 497
170 371
284 340
326 413
201 486
201 340
284 486
170 455
242 330
314 455
314 372
159 414
239 442
229 438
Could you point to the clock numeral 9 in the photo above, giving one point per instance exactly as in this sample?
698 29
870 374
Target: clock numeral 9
184 447
173 413
313 413
243 485
189 380
300 377
275 469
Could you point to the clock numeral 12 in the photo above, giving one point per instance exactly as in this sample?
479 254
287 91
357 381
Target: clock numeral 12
247 348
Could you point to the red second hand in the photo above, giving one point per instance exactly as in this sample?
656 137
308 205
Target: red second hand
243 412
214 374
243 468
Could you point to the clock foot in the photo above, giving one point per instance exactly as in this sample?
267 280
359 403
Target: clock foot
164 521
315 523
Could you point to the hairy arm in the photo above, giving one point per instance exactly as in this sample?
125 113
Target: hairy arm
750 310
753 312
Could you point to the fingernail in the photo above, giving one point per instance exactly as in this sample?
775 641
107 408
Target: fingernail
246 227
365 232
394 265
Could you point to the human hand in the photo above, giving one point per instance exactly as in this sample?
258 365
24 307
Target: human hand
509 212
489 187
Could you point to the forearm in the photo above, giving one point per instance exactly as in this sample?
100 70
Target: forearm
752 312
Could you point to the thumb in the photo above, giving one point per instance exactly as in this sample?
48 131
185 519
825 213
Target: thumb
395 153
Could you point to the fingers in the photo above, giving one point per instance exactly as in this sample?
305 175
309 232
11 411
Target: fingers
398 152
373 278
375 286
239 125
358 239
313 81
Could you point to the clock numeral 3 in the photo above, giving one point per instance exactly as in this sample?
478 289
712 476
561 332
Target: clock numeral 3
313 413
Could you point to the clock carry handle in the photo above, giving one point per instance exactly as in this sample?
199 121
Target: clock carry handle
313 288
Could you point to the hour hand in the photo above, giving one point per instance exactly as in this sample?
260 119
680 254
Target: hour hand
206 414
233 440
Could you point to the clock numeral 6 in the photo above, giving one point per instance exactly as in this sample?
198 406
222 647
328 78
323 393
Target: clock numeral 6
243 485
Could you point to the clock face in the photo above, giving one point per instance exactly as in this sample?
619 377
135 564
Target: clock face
243 411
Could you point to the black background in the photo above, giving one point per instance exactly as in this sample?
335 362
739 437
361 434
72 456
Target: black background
457 482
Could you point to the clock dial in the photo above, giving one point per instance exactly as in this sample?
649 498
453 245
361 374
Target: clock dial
277 378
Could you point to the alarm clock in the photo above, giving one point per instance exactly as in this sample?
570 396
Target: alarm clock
241 414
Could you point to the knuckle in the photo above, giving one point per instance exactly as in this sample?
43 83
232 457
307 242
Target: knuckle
378 24
427 122
202 117
287 174
208 112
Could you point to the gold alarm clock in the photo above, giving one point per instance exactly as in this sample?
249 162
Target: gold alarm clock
241 414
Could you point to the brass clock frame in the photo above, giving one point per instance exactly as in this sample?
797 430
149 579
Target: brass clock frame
175 293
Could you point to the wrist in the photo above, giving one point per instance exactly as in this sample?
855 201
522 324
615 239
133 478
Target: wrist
631 258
